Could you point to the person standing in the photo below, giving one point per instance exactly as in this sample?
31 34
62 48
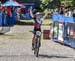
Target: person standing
0 16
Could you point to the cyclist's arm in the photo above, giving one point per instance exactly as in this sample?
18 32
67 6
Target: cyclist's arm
44 16
41 19
32 15
46 13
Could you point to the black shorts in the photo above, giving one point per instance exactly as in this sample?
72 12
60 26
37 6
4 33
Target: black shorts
37 29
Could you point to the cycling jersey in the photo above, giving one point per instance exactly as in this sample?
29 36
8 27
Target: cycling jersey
37 23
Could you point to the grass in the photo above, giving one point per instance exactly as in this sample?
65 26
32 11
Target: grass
45 22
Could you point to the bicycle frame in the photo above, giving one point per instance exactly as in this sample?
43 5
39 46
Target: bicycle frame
37 45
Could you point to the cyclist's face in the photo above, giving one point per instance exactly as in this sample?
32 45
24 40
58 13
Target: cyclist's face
38 16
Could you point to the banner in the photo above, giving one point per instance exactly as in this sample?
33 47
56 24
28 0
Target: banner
61 32
55 30
71 32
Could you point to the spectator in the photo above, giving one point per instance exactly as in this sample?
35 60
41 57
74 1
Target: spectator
9 12
74 13
4 18
0 16
61 11
56 10
70 13
65 12
18 14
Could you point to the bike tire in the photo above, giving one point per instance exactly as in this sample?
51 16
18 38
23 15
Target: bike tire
36 50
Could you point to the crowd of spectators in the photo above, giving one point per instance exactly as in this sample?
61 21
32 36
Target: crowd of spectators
66 11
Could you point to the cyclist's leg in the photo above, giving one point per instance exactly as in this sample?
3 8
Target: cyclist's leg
33 39
40 37
40 41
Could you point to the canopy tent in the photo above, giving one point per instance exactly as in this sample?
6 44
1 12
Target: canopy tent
62 18
12 3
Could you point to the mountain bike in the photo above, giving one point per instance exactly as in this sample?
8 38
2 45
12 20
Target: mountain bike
37 43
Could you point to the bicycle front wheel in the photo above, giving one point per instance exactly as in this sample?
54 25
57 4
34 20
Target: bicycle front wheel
37 45
36 52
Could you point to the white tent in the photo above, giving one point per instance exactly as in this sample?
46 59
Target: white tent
11 3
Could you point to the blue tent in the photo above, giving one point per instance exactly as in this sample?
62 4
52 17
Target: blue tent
74 19
69 19
55 17
58 17
61 18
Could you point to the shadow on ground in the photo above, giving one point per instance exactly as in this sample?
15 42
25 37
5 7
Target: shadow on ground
65 44
53 56
24 23
27 23
40 56
6 34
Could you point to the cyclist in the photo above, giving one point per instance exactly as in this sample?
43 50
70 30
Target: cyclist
38 18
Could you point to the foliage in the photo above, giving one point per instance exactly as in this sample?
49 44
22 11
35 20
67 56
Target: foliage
73 2
55 3
50 4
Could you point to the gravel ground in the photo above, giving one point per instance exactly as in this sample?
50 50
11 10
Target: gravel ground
16 46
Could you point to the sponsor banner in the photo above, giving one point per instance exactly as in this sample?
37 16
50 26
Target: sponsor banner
61 31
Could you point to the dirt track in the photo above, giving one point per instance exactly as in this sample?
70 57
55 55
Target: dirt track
16 46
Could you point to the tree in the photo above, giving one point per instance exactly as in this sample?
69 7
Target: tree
45 4
37 4
50 3
73 2
68 2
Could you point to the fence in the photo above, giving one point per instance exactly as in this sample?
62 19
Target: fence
6 22
63 29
